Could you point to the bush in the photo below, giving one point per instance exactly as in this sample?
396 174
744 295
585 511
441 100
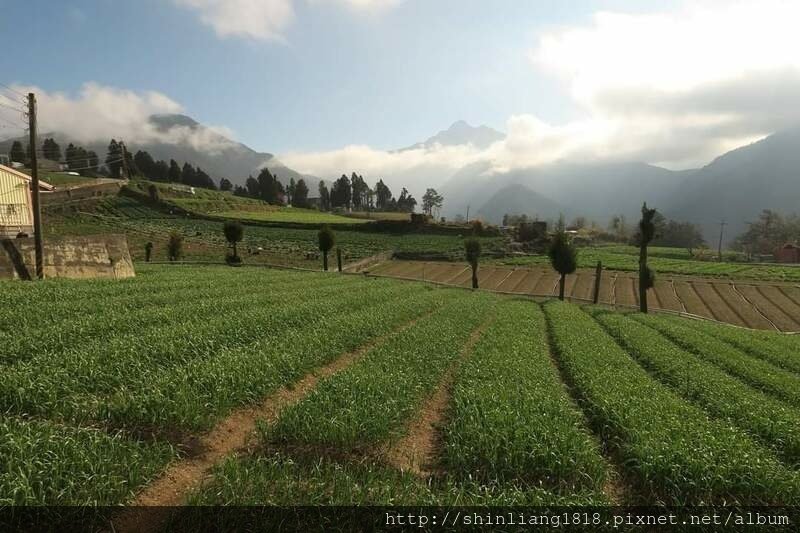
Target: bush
175 246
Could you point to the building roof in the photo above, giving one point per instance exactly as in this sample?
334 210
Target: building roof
42 185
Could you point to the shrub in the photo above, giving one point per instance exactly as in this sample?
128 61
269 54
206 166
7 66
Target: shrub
326 239
234 233
175 246
472 249
563 257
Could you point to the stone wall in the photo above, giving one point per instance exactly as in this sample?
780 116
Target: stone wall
92 256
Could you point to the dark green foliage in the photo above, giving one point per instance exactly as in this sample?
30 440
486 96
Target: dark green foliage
326 239
234 233
472 252
51 150
17 153
148 251
431 202
563 258
175 246
225 185
113 158
324 197
152 192
174 174
300 194
341 193
383 196
647 231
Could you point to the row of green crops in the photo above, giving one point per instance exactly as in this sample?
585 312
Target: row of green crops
373 400
671 447
183 369
777 348
512 419
704 384
46 464
662 261
756 372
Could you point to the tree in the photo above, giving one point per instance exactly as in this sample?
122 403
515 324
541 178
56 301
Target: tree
234 232
472 252
341 193
225 185
290 191
188 175
647 230
253 189
431 201
300 196
676 234
768 233
618 227
51 150
93 162
563 258
382 196
152 192
148 251
174 174
113 158
326 239
175 246
146 164
204 180
17 153
324 196
406 203
270 189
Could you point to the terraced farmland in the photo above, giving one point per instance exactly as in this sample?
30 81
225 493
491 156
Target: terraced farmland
751 304
213 385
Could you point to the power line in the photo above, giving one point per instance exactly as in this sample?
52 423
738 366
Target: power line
13 90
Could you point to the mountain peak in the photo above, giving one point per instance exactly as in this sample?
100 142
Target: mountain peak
462 133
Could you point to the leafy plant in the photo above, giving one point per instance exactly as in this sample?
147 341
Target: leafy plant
563 258
472 252
325 239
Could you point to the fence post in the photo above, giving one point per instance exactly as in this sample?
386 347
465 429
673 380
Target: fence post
339 258
597 276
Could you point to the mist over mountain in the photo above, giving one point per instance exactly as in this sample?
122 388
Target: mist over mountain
185 140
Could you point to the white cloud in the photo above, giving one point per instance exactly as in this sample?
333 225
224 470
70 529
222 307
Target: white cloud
265 19
98 113
671 88
255 19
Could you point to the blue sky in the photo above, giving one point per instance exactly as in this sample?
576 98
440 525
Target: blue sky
341 76
336 85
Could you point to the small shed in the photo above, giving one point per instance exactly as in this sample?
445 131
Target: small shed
16 207
788 253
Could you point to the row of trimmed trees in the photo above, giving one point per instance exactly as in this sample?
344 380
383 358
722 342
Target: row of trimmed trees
564 256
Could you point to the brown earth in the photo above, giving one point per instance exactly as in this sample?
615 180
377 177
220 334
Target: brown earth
752 304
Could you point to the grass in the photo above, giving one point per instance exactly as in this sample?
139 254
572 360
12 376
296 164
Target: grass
666 261
226 205
373 400
512 418
671 447
104 380
204 240
705 385
761 374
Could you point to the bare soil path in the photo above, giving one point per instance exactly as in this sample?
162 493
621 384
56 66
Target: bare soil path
231 435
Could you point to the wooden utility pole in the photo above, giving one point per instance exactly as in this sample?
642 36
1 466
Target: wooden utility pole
721 233
125 170
37 210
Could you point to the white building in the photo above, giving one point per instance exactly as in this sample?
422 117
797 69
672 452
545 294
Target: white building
16 207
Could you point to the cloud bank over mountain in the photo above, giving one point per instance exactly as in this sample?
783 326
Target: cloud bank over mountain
673 88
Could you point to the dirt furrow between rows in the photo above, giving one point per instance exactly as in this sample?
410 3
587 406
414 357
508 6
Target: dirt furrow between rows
231 435
417 451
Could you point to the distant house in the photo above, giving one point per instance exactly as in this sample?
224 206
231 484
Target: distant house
788 253
16 209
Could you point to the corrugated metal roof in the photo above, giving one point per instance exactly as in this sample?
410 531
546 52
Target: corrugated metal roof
42 184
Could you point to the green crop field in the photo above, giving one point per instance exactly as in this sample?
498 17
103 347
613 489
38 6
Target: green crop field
509 401
667 261
205 241
227 205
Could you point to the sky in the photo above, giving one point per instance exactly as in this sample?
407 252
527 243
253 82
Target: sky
333 85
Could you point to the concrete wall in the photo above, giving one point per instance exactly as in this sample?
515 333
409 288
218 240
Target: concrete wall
93 256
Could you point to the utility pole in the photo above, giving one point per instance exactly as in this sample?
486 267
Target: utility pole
721 234
37 210
125 170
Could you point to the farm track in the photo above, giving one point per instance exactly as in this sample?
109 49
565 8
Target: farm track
417 451
756 305
231 435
